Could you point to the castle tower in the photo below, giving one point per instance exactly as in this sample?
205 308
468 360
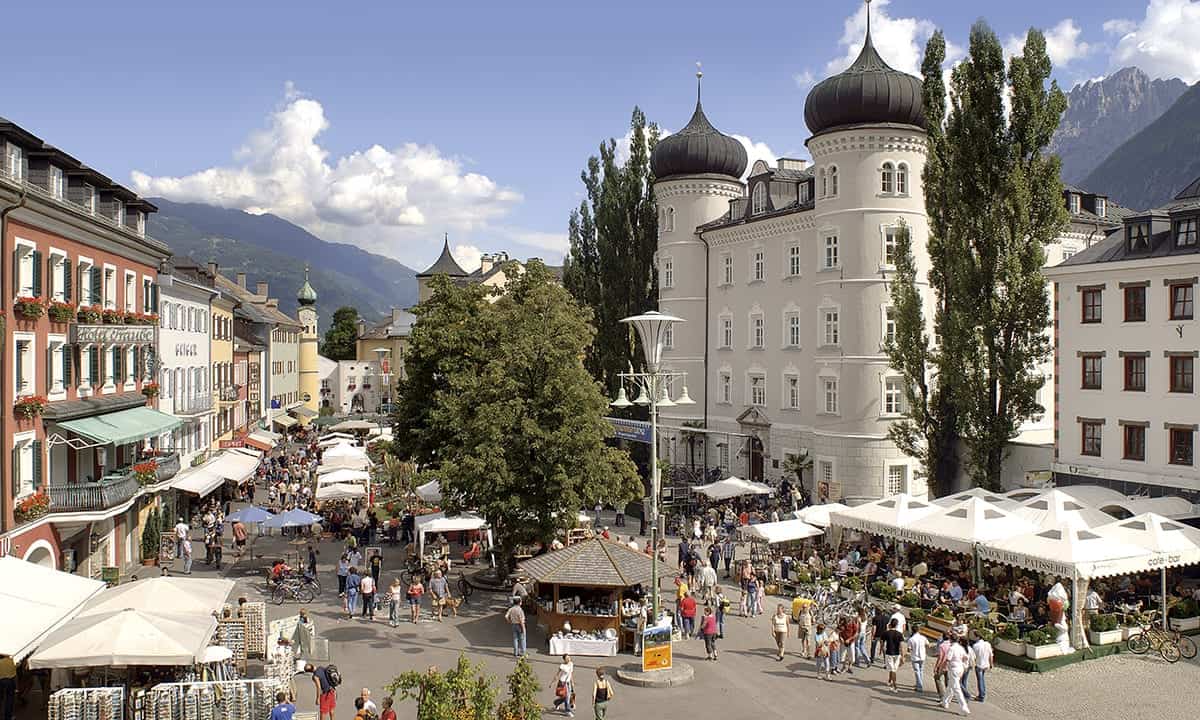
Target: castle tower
697 172
310 384
444 265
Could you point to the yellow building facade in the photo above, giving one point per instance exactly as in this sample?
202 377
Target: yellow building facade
310 380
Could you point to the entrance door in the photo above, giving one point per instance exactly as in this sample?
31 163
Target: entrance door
756 460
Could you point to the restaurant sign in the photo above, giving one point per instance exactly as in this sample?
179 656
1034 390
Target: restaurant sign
635 430
112 334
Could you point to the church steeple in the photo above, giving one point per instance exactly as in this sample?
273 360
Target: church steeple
306 295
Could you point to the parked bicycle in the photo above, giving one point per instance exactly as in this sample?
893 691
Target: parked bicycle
1151 635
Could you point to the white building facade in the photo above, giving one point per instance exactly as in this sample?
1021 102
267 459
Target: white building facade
351 387
1126 346
184 360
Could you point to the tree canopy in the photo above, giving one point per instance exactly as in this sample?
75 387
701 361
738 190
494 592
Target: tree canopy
498 407
341 338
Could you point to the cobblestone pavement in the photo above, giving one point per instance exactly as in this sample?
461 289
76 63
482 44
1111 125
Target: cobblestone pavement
1118 687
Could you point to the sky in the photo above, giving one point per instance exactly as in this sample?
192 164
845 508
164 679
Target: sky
387 125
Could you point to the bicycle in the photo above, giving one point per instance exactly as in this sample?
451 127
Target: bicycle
1170 644
293 589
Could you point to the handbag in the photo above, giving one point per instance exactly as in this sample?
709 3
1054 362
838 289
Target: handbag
561 690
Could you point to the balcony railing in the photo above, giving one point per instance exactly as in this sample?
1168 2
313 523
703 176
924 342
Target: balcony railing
107 493
198 405
228 394
168 465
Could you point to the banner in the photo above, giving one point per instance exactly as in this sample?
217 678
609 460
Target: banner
634 430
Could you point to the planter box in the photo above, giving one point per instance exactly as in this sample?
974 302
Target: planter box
1184 624
1012 647
1038 652
1105 637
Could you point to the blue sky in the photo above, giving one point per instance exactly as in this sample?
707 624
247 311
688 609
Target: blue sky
387 124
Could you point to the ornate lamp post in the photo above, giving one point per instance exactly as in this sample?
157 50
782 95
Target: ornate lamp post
653 389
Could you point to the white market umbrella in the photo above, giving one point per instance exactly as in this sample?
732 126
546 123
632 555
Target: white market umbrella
1066 551
732 487
430 491
889 516
959 528
34 600
293 518
343 475
1170 544
342 491
818 515
782 531
1055 508
126 637
994 498
175 595
353 426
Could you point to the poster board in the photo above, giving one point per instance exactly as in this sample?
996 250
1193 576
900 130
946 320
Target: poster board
111 576
656 648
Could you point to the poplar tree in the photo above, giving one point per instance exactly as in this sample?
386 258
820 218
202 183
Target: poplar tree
613 236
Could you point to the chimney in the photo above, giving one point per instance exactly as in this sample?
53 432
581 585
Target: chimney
485 264
792 164
397 315
212 269
261 288
271 302
362 324
241 280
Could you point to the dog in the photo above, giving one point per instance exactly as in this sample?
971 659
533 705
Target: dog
452 603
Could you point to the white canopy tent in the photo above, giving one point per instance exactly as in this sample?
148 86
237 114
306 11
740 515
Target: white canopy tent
994 498
732 487
343 455
126 637
1168 544
818 515
336 438
438 523
1055 508
961 527
341 491
430 491
1067 552
889 516
35 600
176 595
1172 506
353 426
343 475
782 531
237 465
1096 496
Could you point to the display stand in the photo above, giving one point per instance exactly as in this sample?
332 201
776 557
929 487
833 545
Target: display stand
104 703
231 633
237 700
255 615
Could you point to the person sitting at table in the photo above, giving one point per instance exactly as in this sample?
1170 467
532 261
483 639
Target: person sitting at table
944 593
472 556
981 603
920 569
898 582
871 570
956 591
953 565
929 595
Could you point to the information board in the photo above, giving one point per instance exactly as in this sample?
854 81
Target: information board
656 648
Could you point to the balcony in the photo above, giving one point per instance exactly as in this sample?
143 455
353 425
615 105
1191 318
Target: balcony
168 465
228 395
192 406
110 492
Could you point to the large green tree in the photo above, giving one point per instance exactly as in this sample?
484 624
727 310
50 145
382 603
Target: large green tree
512 425
341 338
994 199
613 236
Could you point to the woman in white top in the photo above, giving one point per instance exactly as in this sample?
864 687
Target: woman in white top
957 659
564 686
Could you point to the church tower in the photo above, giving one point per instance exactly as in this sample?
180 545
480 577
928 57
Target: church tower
697 172
310 384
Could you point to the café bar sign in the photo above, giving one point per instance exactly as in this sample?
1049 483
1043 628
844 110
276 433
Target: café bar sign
113 334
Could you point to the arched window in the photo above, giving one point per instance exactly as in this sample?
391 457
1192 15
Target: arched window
670 219
759 199
887 178
824 183
902 179
833 181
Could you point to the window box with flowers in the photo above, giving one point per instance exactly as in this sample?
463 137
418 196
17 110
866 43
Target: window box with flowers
150 390
90 315
30 406
29 308
60 312
114 317
146 473
137 318
32 507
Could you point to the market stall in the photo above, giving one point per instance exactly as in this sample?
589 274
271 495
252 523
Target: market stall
340 491
126 637
343 476
732 487
42 599
779 532
889 516
439 524
343 455
818 515
584 590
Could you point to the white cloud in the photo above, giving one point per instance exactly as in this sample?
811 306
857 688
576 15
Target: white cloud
900 41
395 200
1062 44
1163 43
804 79
467 256
755 151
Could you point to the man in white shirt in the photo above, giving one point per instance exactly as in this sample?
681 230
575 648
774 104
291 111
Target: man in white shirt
898 583
843 565
899 619
981 651
633 545
181 532
918 646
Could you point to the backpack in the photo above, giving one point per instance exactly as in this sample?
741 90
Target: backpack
333 675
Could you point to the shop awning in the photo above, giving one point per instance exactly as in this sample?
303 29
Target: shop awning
303 411
37 599
782 531
285 421
229 465
197 480
262 442
123 427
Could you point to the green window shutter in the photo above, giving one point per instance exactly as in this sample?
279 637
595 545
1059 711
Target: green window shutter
37 464
137 363
49 369
20 366
154 302
116 365
16 471
97 280
68 352
68 274
94 366
37 273
17 271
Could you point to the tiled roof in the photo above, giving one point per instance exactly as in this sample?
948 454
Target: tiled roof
593 563
388 328
254 310
445 264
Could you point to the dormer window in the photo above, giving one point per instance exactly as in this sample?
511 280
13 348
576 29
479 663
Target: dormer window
805 193
1185 233
119 212
887 178
758 199
1073 203
89 198
1101 207
58 183
1139 237
15 158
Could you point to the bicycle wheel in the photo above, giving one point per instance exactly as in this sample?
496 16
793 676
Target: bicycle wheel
1169 651
1138 643
305 594
1187 648
464 588
279 594
406 576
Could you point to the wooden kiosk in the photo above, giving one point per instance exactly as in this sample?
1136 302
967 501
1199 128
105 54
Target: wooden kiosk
582 585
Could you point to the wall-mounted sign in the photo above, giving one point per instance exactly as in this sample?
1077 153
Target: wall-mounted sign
225 444
635 430
113 334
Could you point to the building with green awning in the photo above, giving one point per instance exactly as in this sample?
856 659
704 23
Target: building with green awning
122 427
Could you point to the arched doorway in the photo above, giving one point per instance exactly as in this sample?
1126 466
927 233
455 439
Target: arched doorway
356 404
756 459
41 553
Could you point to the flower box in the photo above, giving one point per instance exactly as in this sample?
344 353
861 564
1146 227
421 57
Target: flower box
29 308
146 473
1011 647
30 406
150 390
1038 652
60 312
114 317
1105 637
32 507
1184 624
91 315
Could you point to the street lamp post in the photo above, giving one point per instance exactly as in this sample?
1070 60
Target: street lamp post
653 388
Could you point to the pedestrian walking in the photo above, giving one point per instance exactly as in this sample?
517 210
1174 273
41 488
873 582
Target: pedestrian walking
752 604
709 629
439 590
779 628
981 650
917 648
879 623
343 570
353 586
723 606
388 713
181 533
367 590
415 591
727 552
564 686
687 611
804 626
941 675
893 647
312 562
187 556
8 686
516 618
395 593
848 634
957 657
326 687
821 652
860 642
602 695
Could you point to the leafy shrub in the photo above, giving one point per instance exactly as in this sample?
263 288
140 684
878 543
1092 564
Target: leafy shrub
917 616
1038 638
1104 623
944 612
804 577
1010 631
1184 609
910 600
882 590
854 582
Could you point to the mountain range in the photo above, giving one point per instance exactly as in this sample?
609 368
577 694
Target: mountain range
270 249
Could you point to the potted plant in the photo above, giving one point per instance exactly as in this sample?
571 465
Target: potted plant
1184 615
29 308
60 312
1008 640
151 538
150 390
90 315
1104 630
909 600
854 583
804 577
1040 644
32 507
917 617
112 316
882 591
30 406
146 473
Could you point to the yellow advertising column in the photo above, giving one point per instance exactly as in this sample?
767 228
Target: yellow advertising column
310 383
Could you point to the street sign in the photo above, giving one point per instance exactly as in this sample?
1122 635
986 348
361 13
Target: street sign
224 444
656 649
635 430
